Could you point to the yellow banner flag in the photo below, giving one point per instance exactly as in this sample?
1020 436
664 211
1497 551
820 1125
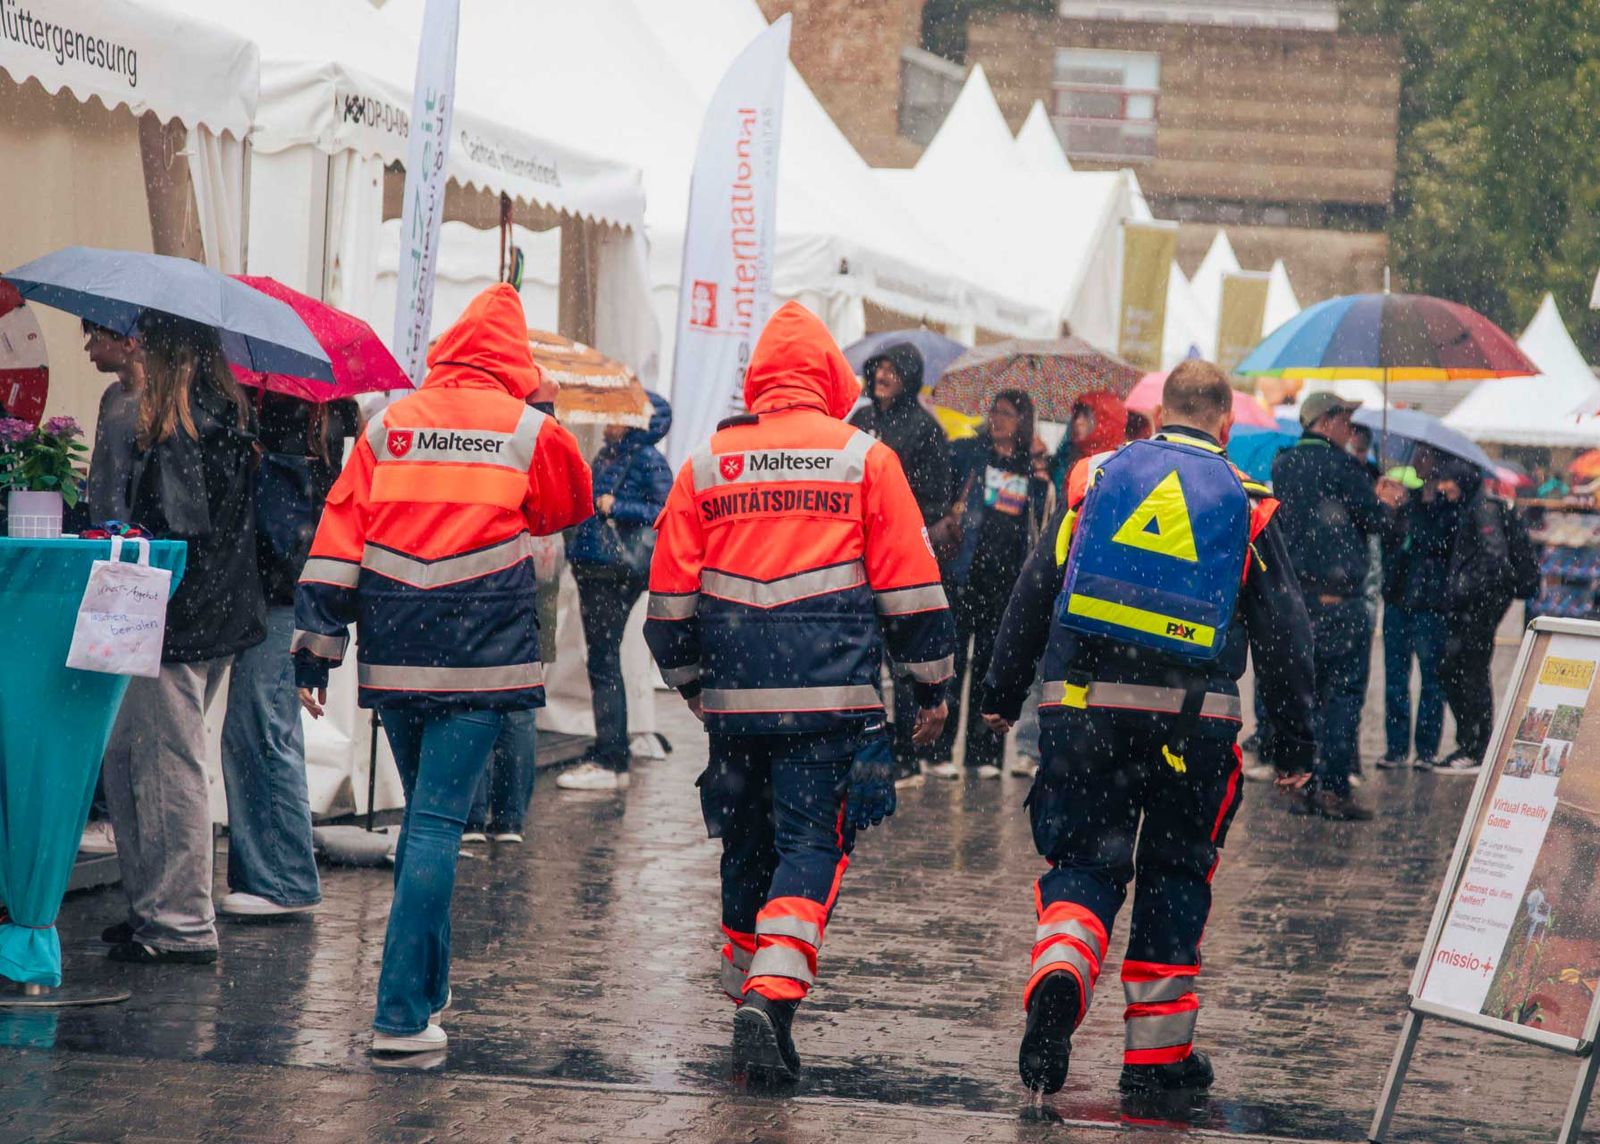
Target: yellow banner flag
1148 249
1244 309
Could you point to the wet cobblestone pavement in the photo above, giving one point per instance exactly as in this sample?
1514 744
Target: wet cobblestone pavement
586 1005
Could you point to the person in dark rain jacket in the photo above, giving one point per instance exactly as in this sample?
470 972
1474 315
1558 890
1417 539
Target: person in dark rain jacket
610 556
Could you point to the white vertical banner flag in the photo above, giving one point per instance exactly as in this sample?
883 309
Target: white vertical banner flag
432 107
729 241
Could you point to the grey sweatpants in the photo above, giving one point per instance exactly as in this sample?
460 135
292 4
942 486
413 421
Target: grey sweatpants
156 789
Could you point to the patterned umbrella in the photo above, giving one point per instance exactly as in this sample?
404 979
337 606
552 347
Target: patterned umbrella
595 390
1054 373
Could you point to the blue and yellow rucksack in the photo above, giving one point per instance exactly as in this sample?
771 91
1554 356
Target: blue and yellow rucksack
1158 549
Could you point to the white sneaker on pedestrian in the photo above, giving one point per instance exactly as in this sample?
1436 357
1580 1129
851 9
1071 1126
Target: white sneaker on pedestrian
98 838
1356 780
1459 765
913 779
1024 767
438 1014
429 1040
986 772
944 770
474 836
510 837
592 776
242 905
1261 773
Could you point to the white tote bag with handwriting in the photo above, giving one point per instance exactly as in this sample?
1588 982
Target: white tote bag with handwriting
123 617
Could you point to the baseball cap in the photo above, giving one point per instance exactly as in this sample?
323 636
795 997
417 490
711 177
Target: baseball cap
1321 404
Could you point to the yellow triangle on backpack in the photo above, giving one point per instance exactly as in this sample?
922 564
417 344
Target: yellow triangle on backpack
1161 523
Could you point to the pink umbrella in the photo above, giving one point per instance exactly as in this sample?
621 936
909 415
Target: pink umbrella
1146 396
361 364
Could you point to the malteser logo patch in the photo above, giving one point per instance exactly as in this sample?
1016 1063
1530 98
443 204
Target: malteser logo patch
399 442
732 466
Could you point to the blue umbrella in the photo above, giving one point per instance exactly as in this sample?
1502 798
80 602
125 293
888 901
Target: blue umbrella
937 351
1253 448
112 288
1412 427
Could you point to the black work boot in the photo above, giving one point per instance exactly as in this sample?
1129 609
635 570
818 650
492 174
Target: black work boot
762 1046
1047 1042
1192 1074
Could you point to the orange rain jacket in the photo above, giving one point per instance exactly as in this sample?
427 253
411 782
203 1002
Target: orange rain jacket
424 542
790 551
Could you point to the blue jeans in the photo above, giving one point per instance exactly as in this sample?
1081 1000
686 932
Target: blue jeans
264 774
1411 632
440 754
506 786
1341 633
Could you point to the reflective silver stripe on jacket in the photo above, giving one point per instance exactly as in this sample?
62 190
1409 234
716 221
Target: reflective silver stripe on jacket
327 647
1141 697
466 446
323 570
1161 1032
678 676
790 927
450 569
905 601
754 700
785 589
1162 989
781 961
672 605
930 670
1070 928
845 465
392 677
1063 954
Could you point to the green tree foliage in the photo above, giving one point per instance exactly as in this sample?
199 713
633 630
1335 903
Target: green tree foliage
1499 152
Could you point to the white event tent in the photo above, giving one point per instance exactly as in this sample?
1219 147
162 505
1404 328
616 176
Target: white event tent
1054 236
1546 410
1038 146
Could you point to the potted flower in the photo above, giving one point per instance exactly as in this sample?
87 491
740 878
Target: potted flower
41 469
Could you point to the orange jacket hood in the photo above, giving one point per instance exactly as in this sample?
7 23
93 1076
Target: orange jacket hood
488 343
797 363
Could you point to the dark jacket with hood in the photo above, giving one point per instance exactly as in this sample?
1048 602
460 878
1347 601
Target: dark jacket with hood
634 471
202 490
911 432
1479 582
1329 509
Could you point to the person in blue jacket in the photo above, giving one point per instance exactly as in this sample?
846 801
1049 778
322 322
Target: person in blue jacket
610 556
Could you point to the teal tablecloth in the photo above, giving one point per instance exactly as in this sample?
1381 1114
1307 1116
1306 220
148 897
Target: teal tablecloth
54 723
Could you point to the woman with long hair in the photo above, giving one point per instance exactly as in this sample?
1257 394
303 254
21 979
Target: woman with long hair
1003 495
193 480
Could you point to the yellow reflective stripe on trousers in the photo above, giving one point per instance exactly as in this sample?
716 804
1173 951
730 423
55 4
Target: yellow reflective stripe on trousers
395 677
786 589
754 700
781 961
1162 1032
1140 620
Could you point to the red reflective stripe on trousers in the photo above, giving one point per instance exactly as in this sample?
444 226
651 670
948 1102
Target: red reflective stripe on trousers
1188 1003
1172 1054
1155 970
777 988
1229 796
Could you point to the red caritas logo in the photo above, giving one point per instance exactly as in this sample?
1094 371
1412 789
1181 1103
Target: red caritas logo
703 305
399 442
732 465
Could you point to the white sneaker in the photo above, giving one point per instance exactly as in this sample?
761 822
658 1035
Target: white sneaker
241 905
1459 765
508 836
1261 773
438 1014
98 838
592 776
474 836
986 772
944 770
1024 767
429 1040
1357 781
915 779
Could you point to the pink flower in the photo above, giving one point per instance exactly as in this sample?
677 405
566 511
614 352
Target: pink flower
13 430
63 426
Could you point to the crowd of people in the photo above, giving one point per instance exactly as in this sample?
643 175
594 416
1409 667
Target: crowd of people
952 574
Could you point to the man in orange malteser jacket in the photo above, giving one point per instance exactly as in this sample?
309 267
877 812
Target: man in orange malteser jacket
426 537
791 551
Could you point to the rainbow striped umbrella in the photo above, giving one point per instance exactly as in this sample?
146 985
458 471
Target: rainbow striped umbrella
1054 373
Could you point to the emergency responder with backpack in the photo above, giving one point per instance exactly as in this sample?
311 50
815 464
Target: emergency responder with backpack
1163 569
791 555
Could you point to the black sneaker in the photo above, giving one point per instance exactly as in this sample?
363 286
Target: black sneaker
1047 1042
762 1046
117 934
137 953
1192 1074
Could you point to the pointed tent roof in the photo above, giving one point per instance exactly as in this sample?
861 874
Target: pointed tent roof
1543 410
974 135
1038 145
1186 333
1281 301
1207 280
